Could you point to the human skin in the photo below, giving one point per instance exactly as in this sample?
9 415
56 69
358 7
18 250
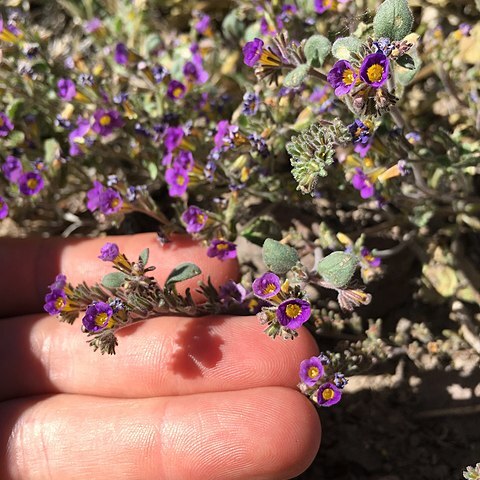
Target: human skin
183 398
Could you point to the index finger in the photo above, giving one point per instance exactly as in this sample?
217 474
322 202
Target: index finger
30 265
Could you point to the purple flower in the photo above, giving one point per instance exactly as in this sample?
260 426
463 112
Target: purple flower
194 71
203 23
98 316
59 283
159 73
12 168
371 260
92 25
6 126
105 121
109 252
342 77
252 51
93 196
110 201
361 137
3 208
222 249
66 89
251 102
176 90
267 286
323 99
321 6
328 394
121 54
30 183
311 370
374 69
55 301
361 182
232 291
76 136
223 139
194 219
293 313
266 29
413 137
173 137
184 160
340 381
177 179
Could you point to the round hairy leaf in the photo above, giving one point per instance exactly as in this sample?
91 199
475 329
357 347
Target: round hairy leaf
338 268
394 20
279 258
316 50
344 47
182 272
113 280
296 76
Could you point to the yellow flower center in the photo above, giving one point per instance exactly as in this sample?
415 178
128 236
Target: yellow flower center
180 180
177 92
59 303
114 202
313 372
347 77
293 310
328 394
375 72
200 218
269 288
105 120
100 319
222 246
2 123
32 183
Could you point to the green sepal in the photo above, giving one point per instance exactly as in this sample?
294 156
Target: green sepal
343 48
338 268
316 50
296 76
144 254
182 272
113 280
406 61
279 258
394 20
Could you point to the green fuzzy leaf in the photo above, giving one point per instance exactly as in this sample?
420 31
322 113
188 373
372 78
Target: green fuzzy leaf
182 272
343 47
338 268
393 20
296 76
144 254
279 258
232 26
113 280
316 50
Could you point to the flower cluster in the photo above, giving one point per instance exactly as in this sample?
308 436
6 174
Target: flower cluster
286 308
320 381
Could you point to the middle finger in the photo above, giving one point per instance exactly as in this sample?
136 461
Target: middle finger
162 356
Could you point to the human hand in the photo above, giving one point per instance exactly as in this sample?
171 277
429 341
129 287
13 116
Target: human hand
183 398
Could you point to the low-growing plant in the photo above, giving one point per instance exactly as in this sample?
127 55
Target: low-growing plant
339 138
